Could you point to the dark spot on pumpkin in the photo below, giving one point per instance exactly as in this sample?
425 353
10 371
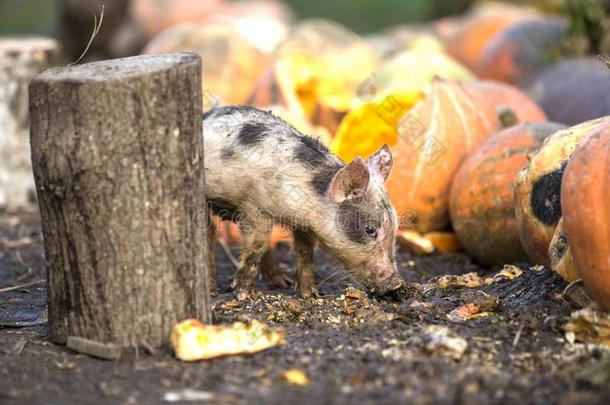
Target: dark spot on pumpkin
507 116
546 197
251 133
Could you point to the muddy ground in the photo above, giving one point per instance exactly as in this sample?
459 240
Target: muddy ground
354 348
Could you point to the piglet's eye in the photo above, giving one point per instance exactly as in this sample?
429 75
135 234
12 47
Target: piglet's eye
370 230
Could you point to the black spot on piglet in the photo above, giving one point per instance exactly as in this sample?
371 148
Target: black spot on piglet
546 197
323 176
311 152
251 133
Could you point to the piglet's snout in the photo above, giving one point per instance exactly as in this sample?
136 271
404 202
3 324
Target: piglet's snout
388 279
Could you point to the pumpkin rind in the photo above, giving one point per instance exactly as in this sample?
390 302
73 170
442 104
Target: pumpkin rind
482 200
434 139
585 191
507 98
523 49
232 63
538 190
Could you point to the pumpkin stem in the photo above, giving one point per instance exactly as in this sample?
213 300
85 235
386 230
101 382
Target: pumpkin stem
507 117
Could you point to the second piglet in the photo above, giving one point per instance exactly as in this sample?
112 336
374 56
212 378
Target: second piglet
261 171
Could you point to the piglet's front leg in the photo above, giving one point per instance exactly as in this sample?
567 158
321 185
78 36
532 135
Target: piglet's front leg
255 231
304 243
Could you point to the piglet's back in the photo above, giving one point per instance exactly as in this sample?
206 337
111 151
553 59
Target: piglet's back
254 157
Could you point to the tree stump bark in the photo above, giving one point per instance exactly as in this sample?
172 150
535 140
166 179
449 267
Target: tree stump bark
117 152
20 60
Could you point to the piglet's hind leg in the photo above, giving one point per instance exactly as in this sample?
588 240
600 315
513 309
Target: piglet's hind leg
255 233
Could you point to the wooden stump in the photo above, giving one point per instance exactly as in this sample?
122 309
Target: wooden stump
20 60
117 152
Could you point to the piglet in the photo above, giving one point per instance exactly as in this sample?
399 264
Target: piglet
260 171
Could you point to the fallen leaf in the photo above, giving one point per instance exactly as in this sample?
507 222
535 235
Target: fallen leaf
470 280
192 340
464 312
294 376
484 301
509 272
354 293
589 325
231 304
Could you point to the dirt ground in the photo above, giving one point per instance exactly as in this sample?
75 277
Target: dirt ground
354 347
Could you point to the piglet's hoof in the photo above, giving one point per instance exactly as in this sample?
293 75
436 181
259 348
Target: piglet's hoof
243 294
279 280
309 292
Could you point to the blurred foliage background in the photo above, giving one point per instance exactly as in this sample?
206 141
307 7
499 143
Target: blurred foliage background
367 15
27 16
38 16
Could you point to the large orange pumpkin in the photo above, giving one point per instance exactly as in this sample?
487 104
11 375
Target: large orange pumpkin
510 103
155 16
482 205
584 201
231 63
468 43
538 190
523 49
433 140
429 143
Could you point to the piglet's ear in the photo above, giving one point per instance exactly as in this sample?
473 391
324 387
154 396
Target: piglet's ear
350 181
380 163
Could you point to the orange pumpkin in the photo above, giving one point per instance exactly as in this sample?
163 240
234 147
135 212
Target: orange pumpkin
538 190
433 140
231 63
584 201
468 43
511 104
155 16
520 51
481 200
